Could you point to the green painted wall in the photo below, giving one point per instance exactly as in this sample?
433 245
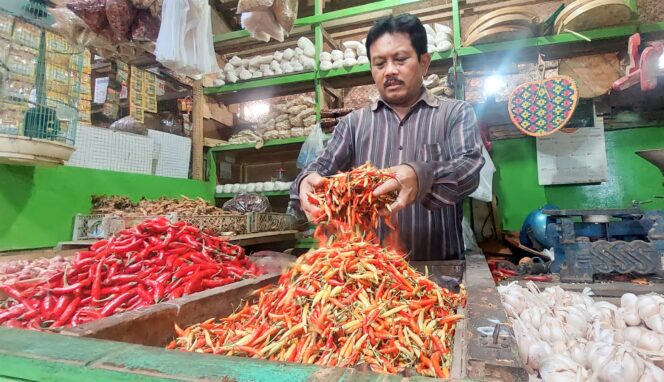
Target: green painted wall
630 177
38 204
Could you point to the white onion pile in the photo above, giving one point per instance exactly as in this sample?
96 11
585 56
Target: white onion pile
567 336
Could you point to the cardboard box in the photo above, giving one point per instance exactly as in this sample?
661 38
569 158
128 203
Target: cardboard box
219 112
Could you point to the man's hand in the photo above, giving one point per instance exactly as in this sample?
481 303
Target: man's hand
307 186
405 182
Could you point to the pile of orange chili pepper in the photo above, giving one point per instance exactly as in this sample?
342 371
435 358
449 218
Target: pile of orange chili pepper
150 262
348 303
348 197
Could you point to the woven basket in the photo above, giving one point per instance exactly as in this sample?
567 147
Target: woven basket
265 222
219 224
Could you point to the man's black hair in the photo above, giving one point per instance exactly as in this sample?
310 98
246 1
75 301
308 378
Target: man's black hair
403 23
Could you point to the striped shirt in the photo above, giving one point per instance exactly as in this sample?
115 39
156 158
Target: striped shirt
439 139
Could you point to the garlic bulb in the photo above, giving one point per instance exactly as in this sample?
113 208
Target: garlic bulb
559 367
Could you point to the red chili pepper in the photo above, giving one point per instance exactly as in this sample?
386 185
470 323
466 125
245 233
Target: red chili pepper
145 296
124 278
72 288
99 244
60 306
194 284
12 312
114 304
16 295
46 307
68 313
134 245
217 283
116 289
96 284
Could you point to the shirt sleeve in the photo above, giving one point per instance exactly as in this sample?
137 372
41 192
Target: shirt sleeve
337 156
449 181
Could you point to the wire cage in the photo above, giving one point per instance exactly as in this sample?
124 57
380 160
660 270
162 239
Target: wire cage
40 78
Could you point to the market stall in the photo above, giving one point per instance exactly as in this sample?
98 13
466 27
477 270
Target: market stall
168 240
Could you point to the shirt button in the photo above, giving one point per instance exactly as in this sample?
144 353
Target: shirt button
400 147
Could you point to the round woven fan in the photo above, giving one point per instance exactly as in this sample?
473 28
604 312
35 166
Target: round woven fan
573 6
597 14
499 13
499 33
540 108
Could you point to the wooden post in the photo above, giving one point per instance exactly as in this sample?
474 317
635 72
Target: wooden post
197 132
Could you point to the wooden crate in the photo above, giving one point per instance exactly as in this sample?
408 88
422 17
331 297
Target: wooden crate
153 325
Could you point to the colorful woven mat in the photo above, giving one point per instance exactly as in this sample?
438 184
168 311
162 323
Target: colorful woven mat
540 108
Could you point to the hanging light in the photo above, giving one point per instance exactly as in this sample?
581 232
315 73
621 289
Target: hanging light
493 85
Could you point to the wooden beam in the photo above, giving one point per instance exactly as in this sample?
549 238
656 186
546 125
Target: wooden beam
197 133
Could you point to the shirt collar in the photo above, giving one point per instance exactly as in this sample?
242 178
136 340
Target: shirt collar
426 97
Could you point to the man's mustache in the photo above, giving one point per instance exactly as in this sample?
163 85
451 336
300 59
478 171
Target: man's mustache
392 81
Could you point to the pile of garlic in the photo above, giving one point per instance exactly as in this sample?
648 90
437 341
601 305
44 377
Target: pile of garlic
567 336
294 118
280 62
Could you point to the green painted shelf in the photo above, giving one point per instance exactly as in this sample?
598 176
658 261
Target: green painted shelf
306 243
268 143
554 46
266 193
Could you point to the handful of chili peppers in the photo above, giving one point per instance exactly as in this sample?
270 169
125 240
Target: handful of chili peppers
348 197
348 303
140 266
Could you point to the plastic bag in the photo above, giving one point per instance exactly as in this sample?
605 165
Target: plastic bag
185 41
469 241
286 12
120 15
311 148
272 262
262 25
484 191
253 5
145 28
246 202
92 12
129 125
171 125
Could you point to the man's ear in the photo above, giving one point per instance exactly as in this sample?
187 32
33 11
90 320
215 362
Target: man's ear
425 61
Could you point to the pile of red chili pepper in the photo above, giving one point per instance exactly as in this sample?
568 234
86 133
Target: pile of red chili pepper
348 197
140 266
350 302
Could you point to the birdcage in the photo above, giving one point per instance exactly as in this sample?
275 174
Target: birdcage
40 73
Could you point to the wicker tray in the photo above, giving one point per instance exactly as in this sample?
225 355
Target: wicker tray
264 222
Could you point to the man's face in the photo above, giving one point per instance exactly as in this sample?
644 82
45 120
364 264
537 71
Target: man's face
396 70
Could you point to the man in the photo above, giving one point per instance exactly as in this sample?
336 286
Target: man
430 143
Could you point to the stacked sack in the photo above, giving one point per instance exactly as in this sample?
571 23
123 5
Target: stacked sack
354 53
439 39
438 85
294 118
280 62
330 117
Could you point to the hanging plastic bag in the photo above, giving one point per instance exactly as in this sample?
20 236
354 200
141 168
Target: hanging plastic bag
246 202
286 12
262 25
469 241
185 38
253 5
484 191
311 148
